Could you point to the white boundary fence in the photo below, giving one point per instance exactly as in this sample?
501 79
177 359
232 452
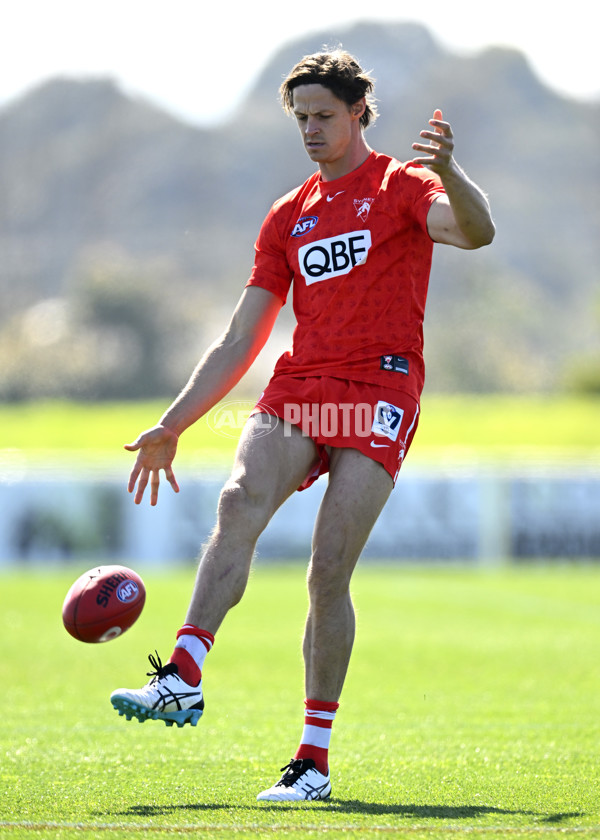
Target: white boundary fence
469 514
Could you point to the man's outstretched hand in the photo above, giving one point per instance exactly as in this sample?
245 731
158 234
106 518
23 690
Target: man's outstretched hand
441 145
156 450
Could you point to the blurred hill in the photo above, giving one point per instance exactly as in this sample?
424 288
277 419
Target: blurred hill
126 235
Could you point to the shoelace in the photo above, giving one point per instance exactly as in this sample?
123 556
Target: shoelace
292 771
160 670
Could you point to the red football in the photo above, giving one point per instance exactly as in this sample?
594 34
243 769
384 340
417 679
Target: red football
103 603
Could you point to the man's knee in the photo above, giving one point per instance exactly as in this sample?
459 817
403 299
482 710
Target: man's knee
240 506
329 576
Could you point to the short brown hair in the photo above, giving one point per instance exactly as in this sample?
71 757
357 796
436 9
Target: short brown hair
336 70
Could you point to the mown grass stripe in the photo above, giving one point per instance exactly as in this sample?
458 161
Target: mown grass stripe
288 827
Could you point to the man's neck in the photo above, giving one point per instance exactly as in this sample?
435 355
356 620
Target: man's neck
332 170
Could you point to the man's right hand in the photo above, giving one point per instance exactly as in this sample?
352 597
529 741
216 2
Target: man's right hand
156 450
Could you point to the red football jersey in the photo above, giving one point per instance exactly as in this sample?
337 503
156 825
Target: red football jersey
359 254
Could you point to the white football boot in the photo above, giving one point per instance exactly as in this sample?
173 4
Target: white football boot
166 697
300 782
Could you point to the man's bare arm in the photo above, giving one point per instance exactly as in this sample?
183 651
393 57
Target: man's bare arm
221 367
462 217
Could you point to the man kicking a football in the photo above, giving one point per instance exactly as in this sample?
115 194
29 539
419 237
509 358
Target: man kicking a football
354 243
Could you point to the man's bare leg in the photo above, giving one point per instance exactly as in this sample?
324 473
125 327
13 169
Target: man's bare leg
267 470
357 492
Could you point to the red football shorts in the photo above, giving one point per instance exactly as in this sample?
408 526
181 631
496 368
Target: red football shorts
378 421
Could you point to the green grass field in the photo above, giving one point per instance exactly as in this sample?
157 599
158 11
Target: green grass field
498 428
470 710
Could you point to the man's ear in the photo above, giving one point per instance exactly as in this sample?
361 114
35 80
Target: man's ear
359 108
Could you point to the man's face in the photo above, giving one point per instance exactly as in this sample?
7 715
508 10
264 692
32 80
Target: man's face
328 126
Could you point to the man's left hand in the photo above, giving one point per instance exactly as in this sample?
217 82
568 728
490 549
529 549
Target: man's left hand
440 147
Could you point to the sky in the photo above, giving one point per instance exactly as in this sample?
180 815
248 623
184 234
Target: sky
186 55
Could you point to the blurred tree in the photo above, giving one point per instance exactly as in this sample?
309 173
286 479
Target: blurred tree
585 377
583 372
120 333
127 322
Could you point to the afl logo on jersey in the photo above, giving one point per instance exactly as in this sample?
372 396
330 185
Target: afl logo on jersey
304 224
333 257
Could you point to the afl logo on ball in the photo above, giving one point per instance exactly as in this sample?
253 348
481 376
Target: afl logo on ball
127 591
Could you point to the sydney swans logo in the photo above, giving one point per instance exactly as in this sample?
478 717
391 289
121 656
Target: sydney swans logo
362 207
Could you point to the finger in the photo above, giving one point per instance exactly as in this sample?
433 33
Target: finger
441 129
154 485
434 162
427 163
437 153
133 447
133 477
437 138
170 476
142 484
437 119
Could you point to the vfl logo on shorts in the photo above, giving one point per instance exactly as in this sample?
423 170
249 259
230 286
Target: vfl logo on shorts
333 257
388 419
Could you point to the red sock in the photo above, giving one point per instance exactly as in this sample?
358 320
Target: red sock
186 667
190 651
316 735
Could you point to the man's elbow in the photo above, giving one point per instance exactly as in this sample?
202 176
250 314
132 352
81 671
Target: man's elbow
490 233
484 236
